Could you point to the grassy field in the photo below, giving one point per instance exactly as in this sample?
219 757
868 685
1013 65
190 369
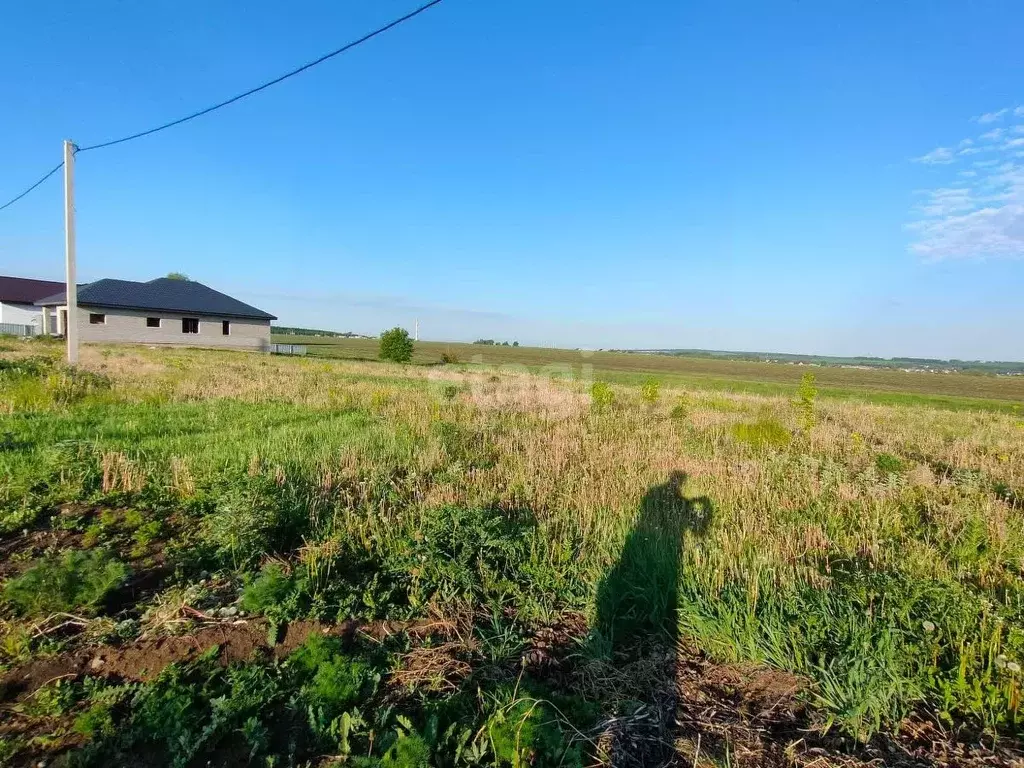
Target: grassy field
878 386
212 558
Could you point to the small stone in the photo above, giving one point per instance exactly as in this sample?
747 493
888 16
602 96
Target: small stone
229 611
97 663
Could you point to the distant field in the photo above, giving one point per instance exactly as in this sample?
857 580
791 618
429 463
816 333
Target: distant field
883 386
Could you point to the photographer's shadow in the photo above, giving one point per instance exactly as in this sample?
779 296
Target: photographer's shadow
638 598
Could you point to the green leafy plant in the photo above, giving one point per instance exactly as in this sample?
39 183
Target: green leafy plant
888 464
650 391
805 397
396 346
763 433
681 409
601 396
72 581
95 723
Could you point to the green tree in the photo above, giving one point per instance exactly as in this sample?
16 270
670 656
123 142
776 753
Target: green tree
396 346
178 276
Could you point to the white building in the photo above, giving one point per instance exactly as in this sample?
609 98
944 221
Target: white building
18 296
161 311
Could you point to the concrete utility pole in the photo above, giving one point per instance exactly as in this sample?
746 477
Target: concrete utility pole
71 325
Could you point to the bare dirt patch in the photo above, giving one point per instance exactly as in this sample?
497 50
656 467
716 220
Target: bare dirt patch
237 641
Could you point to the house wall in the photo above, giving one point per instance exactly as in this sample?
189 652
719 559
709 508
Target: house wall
21 314
129 326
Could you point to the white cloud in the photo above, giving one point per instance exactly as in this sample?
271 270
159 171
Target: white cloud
981 214
1019 111
991 117
938 156
966 143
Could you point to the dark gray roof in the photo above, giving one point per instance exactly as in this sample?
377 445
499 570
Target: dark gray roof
22 290
160 295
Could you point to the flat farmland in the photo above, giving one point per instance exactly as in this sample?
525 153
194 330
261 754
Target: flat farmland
952 390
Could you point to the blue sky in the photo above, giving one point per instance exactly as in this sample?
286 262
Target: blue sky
785 176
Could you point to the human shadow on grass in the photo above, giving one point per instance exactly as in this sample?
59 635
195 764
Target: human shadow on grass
637 603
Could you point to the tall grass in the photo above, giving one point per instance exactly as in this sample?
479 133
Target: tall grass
890 582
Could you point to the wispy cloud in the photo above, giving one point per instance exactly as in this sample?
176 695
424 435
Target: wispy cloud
978 210
938 156
992 117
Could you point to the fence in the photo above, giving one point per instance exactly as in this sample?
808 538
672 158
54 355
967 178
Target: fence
13 329
287 349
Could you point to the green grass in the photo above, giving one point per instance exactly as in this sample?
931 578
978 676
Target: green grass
881 386
875 550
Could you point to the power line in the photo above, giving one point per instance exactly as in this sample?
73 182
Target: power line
275 81
49 173
239 97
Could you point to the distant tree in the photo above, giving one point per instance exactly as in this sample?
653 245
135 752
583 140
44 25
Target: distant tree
178 276
515 343
487 342
396 346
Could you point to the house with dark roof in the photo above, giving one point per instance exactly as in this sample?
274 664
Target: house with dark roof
18 297
161 311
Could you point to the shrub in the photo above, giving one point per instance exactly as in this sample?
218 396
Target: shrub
763 433
469 555
74 581
601 396
805 397
681 409
96 722
189 709
254 515
448 357
331 683
396 346
526 731
269 593
650 391
888 464
409 751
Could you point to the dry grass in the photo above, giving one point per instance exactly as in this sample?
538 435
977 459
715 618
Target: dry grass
908 492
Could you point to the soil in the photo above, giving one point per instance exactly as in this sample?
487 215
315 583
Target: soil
677 707
685 709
